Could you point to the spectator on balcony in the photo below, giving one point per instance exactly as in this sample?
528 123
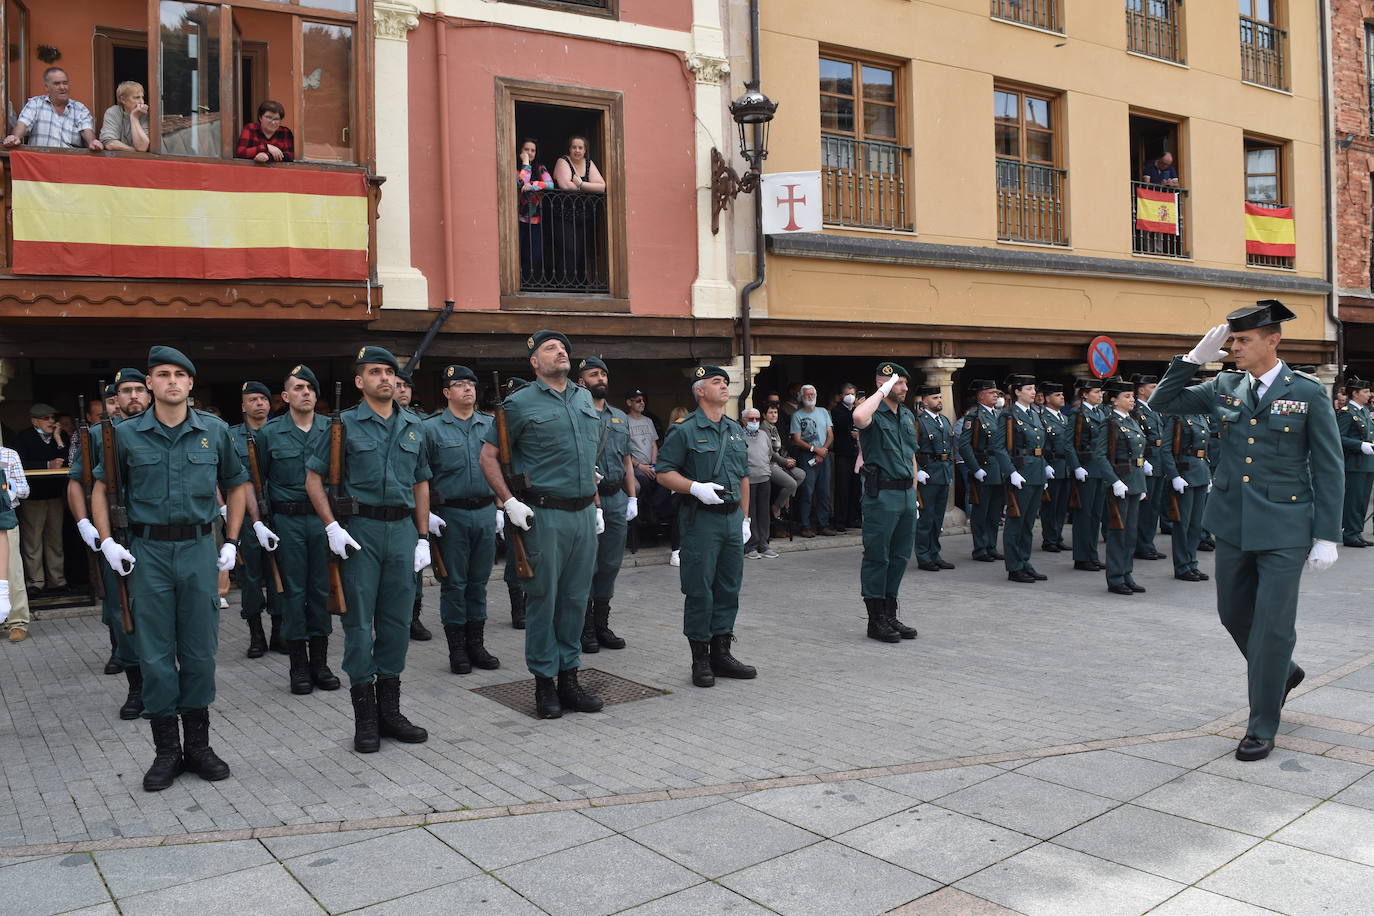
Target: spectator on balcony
576 172
1162 171
125 125
577 217
267 139
534 181
55 119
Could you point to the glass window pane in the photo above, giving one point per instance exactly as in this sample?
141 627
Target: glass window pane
1039 146
326 126
342 6
1004 105
1245 7
188 62
837 76
837 152
880 121
879 84
1037 113
1262 187
1264 11
837 114
1261 161
1007 141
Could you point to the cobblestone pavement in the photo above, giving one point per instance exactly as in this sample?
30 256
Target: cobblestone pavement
1048 748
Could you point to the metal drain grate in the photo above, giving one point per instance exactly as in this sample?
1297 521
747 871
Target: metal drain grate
519 695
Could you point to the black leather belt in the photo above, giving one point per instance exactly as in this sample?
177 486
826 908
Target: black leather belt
931 456
898 483
540 501
384 513
171 532
605 488
1029 452
1084 456
476 502
284 508
719 509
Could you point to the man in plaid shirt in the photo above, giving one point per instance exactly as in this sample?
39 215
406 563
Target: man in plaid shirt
55 119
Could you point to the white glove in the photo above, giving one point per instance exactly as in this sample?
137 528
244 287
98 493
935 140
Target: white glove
632 509
922 478
266 537
1049 472
599 478
437 525
1179 484
708 493
1208 349
227 555
1017 480
339 540
1080 474
979 474
500 521
520 514
1323 555
1209 486
421 554
1149 469
224 512
1367 448
886 387
4 600
1143 495
88 533
120 560
1119 489
600 521
744 529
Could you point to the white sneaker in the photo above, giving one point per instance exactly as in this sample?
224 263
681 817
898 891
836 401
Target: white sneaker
769 554
675 559
753 555
223 603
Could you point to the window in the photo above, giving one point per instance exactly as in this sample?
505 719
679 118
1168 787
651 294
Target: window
1031 192
1159 196
1265 187
1041 14
863 164
1263 45
1153 27
609 8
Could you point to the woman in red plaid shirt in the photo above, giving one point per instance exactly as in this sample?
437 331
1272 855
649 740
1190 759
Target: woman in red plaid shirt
267 139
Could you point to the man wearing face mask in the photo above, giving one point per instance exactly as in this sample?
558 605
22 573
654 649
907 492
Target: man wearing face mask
846 455
812 433
986 481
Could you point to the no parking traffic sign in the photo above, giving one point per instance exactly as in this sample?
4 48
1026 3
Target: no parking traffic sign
1102 357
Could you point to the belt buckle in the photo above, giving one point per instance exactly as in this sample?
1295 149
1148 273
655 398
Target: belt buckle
1140 462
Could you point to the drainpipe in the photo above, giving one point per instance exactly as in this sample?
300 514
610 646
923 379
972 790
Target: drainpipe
1333 300
445 157
747 347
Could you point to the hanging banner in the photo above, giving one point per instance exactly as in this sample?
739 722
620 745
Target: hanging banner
791 202
1156 211
1269 231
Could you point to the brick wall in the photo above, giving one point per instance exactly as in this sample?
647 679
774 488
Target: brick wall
1351 101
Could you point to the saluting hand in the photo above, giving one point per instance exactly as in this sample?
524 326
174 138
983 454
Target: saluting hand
1208 349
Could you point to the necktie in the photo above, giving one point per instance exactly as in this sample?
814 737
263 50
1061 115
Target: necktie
1254 391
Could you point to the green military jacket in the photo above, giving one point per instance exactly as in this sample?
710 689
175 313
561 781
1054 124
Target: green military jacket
1356 426
1152 425
615 445
1189 461
1124 461
554 438
1280 481
384 457
453 453
1059 438
977 452
693 449
283 450
935 447
1025 453
1086 435
169 475
889 443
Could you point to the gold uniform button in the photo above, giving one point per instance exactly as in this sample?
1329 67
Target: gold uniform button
1248 459
1293 498
1285 429
1253 422
1251 441
1245 479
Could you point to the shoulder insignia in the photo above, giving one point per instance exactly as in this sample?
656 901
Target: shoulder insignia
615 419
411 435
678 420
1308 376
204 442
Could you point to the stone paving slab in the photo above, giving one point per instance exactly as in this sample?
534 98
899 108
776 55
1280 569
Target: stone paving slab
828 878
1049 879
1296 881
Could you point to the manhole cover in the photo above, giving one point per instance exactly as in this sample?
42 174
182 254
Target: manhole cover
519 695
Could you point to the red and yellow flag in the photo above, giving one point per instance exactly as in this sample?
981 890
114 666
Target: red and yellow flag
1269 231
106 216
1156 211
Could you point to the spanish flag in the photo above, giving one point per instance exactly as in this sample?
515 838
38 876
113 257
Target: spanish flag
1269 231
107 216
1156 211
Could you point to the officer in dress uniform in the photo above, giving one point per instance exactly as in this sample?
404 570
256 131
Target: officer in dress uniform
1276 499
975 446
1185 470
1018 444
1357 439
1156 486
403 394
1063 461
170 460
935 445
461 506
252 574
382 548
1120 455
553 432
1087 428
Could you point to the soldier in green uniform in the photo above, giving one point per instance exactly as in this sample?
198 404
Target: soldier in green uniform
252 574
131 395
1019 447
1120 454
1357 439
935 459
404 395
1184 467
705 456
888 478
170 460
554 432
975 446
1088 427
284 445
619 506
1152 507
461 503
1276 500
385 544
1063 461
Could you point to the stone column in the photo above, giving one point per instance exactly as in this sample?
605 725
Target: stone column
735 367
1328 372
713 293
940 371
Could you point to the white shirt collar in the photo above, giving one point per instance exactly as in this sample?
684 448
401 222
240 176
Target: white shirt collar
1053 411
933 414
1267 378
1119 413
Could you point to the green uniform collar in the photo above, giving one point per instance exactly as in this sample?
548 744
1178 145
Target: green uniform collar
148 421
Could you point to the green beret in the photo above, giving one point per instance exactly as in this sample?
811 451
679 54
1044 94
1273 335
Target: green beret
256 388
170 356
514 384
456 373
129 375
890 368
110 391
705 372
379 355
303 372
592 362
406 375
537 339
42 410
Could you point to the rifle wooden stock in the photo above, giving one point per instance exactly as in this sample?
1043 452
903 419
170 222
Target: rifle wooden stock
264 508
1114 521
1013 500
337 604
435 559
118 512
515 537
83 442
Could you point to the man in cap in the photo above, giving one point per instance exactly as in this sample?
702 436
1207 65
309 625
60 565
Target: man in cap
170 461
1277 496
1187 473
1088 423
705 457
1120 453
253 575
887 439
403 394
385 544
619 506
42 447
1357 439
1018 446
554 433
935 445
1063 461
462 518
975 446
284 445
1151 508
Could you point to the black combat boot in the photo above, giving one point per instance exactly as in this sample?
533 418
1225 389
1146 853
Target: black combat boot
589 644
300 666
878 627
365 737
418 632
458 661
723 664
275 642
477 648
167 765
390 722
517 606
896 625
112 665
257 642
133 705
200 758
320 675
702 675
601 616
546 705
572 696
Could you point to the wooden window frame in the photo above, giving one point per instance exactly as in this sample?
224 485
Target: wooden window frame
858 60
610 11
1056 100
611 105
1251 141
1276 10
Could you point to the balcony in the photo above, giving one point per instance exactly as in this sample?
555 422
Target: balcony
1152 29
1282 262
863 183
1158 240
1263 54
1032 205
1038 14
565 250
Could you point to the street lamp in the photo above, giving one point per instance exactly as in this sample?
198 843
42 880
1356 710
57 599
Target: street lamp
752 112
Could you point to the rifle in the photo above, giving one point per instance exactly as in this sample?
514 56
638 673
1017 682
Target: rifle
518 483
1114 521
87 453
119 512
343 506
1173 494
1075 497
975 497
435 559
264 506
1013 503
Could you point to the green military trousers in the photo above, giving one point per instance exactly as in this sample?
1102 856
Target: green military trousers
562 549
928 526
610 545
1019 533
1357 486
712 570
1121 543
303 559
987 515
1257 599
174 594
125 652
253 575
889 539
1154 506
468 549
1087 519
379 587
1188 529
1053 513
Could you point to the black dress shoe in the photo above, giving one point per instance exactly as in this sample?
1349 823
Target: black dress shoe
929 567
1354 543
1294 680
1039 576
1252 748
1138 589
1201 576
1020 575
1051 548
997 556
985 558
1085 565
1207 546
1100 566
1122 589
1366 543
943 565
1187 576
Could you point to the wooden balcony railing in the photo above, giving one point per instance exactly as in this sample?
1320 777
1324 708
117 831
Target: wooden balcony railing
864 183
1165 244
1032 203
1263 54
1152 34
1040 14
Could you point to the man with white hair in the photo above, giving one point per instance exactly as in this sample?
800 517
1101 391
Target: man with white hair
813 432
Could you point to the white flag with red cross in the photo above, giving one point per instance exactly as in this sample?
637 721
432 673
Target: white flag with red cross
791 202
